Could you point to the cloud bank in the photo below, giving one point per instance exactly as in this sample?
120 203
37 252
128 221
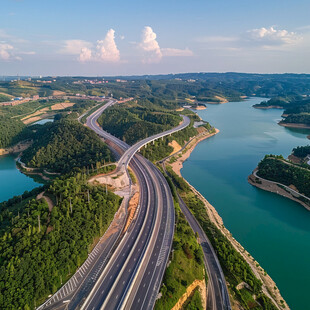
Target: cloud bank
272 36
264 38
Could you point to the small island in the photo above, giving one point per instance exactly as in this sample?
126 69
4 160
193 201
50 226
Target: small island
287 177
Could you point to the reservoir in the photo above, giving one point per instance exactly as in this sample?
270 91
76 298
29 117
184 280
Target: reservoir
12 181
275 230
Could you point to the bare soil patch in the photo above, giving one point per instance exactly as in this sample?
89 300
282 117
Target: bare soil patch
62 105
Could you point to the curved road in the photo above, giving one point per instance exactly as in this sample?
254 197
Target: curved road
129 153
141 257
127 273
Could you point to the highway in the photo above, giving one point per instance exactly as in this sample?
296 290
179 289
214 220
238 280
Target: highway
140 259
129 153
126 271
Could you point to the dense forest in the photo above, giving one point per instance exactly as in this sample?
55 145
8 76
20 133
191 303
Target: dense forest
206 86
171 87
276 169
132 124
302 118
66 145
41 249
11 131
301 151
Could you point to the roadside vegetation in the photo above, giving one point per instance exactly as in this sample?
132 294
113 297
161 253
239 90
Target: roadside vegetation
186 264
193 302
235 268
41 249
161 148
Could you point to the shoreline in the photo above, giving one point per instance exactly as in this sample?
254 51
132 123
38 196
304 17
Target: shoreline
294 125
272 187
269 287
268 107
178 164
15 149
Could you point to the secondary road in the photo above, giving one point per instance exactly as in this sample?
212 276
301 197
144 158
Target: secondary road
218 297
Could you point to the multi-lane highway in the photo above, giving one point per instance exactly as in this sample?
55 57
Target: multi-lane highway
135 270
125 272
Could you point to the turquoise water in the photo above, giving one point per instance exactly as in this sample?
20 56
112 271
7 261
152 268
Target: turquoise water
275 230
12 181
43 121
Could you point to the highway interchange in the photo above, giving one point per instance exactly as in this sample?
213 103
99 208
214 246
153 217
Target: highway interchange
126 271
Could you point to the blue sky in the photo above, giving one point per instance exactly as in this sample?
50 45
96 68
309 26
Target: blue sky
98 37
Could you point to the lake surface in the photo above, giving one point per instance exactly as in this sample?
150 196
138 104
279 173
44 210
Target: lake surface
12 181
275 230
43 121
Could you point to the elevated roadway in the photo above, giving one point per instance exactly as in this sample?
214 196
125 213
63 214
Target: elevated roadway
127 272
140 259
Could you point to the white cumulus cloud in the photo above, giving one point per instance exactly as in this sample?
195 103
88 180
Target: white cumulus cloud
153 53
74 47
107 49
6 51
272 36
102 51
85 54
150 46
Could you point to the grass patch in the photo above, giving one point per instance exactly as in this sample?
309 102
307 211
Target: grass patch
186 264
193 302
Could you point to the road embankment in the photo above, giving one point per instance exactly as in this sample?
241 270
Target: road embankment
178 164
269 286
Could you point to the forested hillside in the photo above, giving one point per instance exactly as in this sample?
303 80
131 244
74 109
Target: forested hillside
132 124
40 250
65 145
10 131
301 151
297 108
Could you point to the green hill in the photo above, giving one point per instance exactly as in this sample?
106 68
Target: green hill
64 145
